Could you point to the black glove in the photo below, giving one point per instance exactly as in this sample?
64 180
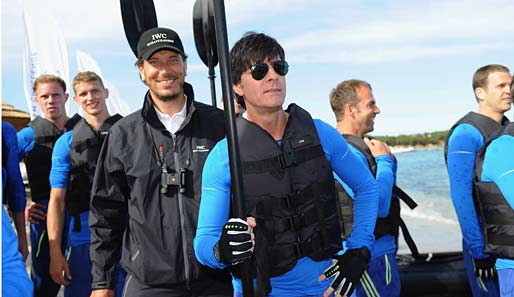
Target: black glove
236 242
347 270
485 267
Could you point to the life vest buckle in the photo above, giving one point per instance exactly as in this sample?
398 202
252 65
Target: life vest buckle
296 221
287 159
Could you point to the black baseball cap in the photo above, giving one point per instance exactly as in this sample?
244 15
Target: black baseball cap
156 39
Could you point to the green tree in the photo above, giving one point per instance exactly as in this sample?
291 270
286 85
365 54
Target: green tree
427 138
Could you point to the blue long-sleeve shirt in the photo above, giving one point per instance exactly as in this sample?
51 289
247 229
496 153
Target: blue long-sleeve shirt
463 146
498 167
26 141
15 194
385 177
303 278
59 179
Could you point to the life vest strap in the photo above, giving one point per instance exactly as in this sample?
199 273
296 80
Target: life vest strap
283 160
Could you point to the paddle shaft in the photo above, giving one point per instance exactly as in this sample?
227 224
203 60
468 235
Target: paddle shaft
237 202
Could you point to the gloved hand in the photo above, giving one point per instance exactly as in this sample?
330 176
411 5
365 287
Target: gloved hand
346 271
484 267
236 242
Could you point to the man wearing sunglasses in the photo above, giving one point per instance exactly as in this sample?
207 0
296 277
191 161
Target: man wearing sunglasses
292 234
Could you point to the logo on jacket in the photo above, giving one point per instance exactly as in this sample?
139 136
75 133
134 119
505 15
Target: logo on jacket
200 149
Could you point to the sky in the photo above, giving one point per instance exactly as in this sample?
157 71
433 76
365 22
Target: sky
419 56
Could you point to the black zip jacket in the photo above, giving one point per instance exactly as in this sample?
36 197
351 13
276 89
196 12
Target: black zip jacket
154 224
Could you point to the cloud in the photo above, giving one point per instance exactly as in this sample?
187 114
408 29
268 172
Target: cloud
378 54
197 68
407 32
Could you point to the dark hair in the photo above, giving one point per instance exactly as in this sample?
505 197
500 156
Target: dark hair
251 49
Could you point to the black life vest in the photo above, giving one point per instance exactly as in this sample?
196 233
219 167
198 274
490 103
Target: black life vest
85 149
289 189
388 225
487 127
38 161
496 214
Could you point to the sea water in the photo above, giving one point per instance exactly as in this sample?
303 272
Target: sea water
433 224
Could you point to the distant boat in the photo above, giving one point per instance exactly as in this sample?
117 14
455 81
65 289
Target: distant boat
402 149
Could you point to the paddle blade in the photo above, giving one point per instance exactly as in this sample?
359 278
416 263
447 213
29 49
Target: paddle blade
138 16
205 32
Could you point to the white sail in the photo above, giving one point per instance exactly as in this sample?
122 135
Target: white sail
45 51
115 98
114 103
86 63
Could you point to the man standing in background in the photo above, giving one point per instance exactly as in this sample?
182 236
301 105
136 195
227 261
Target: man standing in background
491 86
355 109
71 177
35 144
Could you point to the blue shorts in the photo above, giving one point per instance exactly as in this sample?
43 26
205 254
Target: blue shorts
44 286
506 280
381 278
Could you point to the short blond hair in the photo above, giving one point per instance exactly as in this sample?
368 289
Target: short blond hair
86 76
48 78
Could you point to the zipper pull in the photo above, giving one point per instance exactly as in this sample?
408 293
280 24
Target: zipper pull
164 171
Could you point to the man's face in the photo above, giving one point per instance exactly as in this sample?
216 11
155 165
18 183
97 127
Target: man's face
266 94
365 110
496 95
51 98
91 96
164 74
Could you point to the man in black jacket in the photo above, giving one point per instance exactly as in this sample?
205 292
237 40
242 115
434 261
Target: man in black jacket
146 190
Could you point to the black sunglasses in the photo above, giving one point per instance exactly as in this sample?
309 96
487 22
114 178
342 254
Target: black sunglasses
260 70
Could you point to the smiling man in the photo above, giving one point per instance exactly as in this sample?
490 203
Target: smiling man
149 172
355 109
73 167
